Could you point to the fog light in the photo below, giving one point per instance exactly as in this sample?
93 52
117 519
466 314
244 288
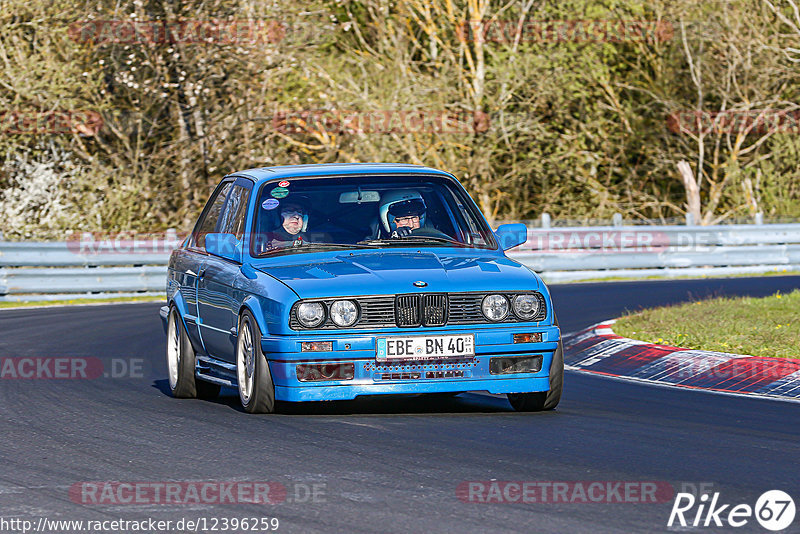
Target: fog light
316 346
505 365
535 337
325 371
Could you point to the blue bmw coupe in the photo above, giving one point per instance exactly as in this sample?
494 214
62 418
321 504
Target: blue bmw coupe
329 282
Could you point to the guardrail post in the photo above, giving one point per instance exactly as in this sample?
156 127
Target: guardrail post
617 219
689 219
545 220
759 220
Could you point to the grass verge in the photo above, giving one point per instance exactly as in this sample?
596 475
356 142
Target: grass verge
78 301
767 326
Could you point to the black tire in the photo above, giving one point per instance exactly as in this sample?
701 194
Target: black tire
257 379
543 400
180 358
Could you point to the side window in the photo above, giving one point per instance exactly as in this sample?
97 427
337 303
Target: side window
235 213
208 221
472 233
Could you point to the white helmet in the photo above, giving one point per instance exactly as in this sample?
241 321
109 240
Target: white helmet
400 203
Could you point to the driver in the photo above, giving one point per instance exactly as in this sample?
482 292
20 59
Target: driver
402 212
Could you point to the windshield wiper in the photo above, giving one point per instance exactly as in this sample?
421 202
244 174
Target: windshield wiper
413 239
307 245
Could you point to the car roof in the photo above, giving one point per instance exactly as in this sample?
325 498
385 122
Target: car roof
331 169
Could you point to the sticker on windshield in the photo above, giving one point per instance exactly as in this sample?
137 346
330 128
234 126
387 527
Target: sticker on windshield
283 183
279 192
270 204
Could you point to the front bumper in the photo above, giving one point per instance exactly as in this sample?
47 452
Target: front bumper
323 392
163 312
372 377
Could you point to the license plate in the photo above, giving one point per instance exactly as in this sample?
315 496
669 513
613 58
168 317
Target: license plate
425 347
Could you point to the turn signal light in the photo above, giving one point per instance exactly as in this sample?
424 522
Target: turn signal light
535 337
316 346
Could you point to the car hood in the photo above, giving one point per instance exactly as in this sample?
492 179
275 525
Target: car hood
389 272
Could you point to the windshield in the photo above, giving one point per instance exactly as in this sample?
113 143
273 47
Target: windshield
306 214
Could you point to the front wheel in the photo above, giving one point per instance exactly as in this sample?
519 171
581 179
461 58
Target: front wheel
543 400
256 390
180 359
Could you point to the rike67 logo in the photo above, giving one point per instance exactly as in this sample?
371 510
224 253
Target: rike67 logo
774 510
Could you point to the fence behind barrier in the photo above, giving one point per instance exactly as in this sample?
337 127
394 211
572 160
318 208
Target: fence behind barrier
89 266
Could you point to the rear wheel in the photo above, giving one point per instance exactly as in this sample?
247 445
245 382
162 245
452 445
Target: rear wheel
543 400
256 390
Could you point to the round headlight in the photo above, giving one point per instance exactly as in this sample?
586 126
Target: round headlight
495 307
526 306
344 312
311 314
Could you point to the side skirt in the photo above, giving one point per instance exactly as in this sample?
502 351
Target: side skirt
215 371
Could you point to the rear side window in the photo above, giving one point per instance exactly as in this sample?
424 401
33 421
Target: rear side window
208 221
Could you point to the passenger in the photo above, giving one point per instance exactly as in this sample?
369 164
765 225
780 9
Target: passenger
293 212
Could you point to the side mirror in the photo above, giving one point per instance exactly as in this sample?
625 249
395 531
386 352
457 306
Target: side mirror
224 246
511 235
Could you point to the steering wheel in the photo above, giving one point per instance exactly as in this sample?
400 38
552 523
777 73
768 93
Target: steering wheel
429 232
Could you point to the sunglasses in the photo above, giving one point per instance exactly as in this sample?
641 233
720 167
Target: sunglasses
288 214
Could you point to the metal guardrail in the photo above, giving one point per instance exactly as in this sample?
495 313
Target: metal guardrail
563 254
90 250
31 254
87 267
78 280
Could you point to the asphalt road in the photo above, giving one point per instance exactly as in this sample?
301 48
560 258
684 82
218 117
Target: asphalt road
388 465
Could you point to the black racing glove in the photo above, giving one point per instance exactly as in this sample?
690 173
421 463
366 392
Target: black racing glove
402 231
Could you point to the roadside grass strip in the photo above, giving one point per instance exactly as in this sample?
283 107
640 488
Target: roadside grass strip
598 349
768 326
78 302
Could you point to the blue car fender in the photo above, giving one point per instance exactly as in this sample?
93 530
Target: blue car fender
253 304
178 301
